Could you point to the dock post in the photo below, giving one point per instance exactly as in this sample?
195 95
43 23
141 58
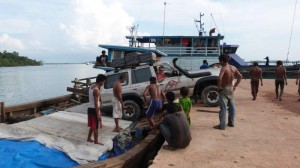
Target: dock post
2 112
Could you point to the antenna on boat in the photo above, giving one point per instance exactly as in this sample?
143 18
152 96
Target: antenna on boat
165 4
215 23
133 34
201 30
287 56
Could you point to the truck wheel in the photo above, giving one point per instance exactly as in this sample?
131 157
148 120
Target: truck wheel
132 110
210 96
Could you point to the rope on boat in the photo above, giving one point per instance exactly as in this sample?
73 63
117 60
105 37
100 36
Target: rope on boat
287 57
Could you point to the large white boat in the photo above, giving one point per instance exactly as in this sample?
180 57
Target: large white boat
191 50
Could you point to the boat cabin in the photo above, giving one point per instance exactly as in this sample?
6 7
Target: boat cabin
176 46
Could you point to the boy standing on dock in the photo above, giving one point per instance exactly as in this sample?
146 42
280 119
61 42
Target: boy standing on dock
185 103
156 95
117 102
94 113
226 76
255 76
280 79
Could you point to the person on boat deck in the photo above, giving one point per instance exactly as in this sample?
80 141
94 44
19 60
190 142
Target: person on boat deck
280 79
175 129
102 59
94 113
157 97
118 106
204 65
161 76
255 76
267 61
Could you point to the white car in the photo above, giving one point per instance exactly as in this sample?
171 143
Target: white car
202 84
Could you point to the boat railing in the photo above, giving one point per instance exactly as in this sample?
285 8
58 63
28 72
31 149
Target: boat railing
273 63
81 86
32 108
189 51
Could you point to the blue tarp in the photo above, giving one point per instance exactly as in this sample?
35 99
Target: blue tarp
31 154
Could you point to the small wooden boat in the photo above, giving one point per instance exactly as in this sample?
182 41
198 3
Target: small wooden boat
138 156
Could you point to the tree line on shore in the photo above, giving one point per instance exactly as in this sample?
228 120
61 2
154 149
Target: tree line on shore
13 59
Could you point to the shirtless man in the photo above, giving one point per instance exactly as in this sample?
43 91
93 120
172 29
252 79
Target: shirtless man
94 113
280 79
118 106
298 83
225 80
157 96
255 75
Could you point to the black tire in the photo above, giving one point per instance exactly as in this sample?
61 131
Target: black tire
132 110
210 96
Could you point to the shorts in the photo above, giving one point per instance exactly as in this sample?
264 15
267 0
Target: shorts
93 122
117 108
154 106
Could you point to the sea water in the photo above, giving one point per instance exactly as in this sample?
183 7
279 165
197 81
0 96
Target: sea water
31 83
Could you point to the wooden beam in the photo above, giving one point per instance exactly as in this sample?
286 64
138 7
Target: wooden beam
2 112
78 91
37 104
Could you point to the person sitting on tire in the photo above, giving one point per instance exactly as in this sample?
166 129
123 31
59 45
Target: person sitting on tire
175 129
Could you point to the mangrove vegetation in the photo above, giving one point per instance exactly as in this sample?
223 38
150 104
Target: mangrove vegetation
13 59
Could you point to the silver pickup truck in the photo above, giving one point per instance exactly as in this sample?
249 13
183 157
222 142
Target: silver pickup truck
202 85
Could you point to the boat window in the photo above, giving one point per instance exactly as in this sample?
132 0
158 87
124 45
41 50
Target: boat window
141 75
111 79
117 54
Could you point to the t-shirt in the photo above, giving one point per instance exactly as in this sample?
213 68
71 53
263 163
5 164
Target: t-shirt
160 77
204 66
185 104
179 129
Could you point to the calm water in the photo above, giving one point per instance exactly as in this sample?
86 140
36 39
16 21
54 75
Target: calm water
31 83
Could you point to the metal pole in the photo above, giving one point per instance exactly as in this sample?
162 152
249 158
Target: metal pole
164 23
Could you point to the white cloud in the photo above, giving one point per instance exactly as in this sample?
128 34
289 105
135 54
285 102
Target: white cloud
95 22
71 30
10 44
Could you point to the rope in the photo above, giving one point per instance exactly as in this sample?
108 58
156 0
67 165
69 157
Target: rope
287 57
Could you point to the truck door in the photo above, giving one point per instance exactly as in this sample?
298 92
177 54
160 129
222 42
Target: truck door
174 80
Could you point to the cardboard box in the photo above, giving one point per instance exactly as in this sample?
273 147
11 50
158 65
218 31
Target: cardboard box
132 59
147 57
118 62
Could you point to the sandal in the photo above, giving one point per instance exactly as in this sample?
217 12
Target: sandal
167 147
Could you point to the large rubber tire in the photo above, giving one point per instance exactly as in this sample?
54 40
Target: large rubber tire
132 110
210 96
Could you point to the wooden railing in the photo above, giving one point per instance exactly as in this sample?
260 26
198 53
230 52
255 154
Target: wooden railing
81 86
33 107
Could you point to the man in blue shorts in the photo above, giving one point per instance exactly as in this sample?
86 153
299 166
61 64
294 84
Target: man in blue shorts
157 96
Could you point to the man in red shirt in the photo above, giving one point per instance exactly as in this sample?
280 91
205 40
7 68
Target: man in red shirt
161 76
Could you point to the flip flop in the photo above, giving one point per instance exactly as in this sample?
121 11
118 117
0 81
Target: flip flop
167 147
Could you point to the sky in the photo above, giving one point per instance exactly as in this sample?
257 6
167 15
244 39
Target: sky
69 31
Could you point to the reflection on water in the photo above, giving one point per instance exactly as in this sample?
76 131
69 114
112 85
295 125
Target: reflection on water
30 83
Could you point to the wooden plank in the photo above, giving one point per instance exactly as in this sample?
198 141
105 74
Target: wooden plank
2 111
37 104
82 91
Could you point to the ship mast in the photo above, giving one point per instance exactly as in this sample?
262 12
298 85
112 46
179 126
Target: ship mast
201 30
133 35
